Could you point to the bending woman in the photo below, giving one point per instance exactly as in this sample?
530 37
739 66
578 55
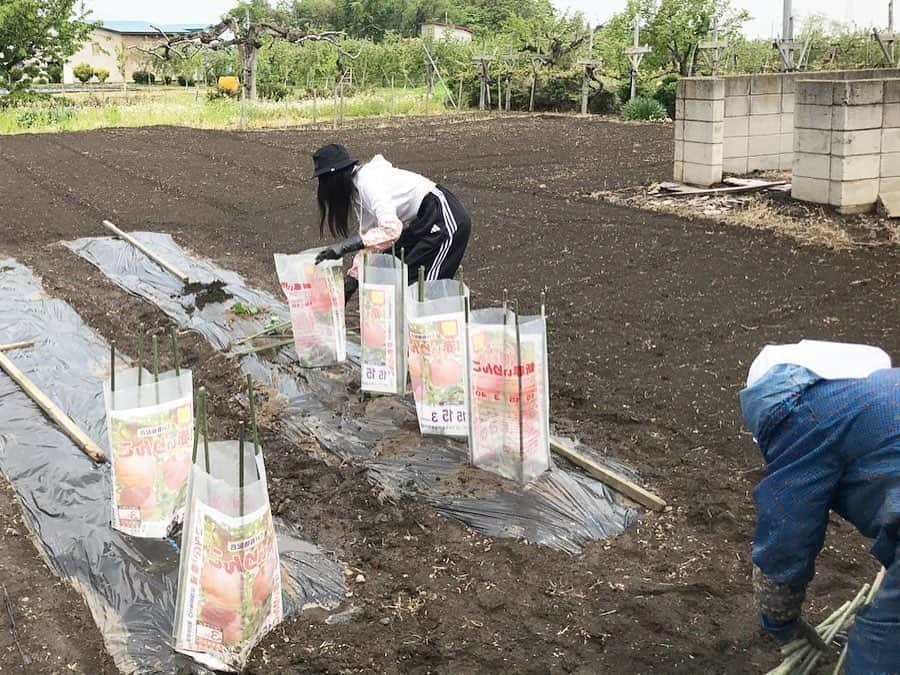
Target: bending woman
391 206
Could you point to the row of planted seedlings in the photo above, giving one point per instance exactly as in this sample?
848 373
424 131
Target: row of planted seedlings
229 581
479 375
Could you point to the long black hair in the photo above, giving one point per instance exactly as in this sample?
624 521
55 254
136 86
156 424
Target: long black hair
335 195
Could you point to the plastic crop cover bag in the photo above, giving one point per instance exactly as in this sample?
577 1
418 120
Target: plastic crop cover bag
436 334
382 324
151 433
229 579
315 294
509 394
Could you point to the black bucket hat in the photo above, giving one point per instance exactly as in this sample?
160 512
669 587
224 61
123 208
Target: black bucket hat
330 158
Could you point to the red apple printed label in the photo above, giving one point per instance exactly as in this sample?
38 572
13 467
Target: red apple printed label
233 586
437 370
508 429
150 457
378 334
315 295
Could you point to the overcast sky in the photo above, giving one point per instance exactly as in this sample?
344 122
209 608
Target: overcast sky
766 13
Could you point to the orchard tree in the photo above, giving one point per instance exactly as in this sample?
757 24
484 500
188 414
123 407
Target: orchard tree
679 27
244 34
46 31
674 30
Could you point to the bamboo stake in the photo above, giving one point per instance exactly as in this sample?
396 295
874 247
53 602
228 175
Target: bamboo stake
421 283
266 331
241 464
256 350
175 352
140 363
112 366
16 345
155 342
81 439
171 269
460 279
620 483
198 404
869 598
205 424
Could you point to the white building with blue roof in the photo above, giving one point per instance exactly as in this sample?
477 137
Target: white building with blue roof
101 50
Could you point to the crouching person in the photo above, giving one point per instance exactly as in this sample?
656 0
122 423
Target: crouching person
826 417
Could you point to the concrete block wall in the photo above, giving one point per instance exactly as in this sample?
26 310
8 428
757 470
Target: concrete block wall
846 149
890 139
699 130
758 122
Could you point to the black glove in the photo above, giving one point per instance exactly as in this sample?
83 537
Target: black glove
337 251
809 633
350 286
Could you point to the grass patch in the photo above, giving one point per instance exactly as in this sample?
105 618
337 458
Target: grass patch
190 107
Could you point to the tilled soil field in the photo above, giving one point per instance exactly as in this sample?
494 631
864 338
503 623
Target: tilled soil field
653 322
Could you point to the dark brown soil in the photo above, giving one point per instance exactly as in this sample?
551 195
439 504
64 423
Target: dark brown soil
205 294
654 321
45 628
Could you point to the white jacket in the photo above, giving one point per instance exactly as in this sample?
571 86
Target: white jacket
387 200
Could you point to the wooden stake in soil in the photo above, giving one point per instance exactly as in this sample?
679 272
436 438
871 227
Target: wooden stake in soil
16 345
543 304
461 280
147 252
617 482
81 439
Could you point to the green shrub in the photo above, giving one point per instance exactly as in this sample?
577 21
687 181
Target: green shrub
55 73
275 91
167 79
643 108
102 74
186 81
20 98
666 92
604 102
143 77
16 74
83 72
32 71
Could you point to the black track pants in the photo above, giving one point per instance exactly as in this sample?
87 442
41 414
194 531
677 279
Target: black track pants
437 238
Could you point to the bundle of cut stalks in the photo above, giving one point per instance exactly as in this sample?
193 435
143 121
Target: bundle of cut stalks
801 657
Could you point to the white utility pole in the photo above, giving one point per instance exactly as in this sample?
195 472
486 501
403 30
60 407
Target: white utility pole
635 55
886 40
785 46
712 49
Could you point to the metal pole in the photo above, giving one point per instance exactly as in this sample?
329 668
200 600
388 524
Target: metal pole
787 24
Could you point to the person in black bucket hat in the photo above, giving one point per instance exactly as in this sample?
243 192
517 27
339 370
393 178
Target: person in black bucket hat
391 206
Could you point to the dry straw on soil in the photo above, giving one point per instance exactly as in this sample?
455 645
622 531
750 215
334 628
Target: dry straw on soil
808 224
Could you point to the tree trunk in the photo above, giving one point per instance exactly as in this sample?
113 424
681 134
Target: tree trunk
249 53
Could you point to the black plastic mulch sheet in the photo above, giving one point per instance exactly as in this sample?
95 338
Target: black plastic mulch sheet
128 583
563 509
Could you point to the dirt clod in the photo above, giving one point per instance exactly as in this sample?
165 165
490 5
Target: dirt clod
205 294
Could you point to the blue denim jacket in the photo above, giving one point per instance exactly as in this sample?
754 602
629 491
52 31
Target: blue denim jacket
830 445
